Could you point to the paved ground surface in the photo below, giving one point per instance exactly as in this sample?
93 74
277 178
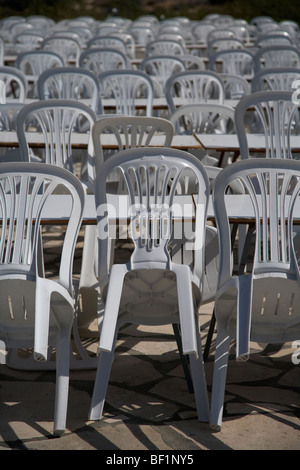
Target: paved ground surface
148 405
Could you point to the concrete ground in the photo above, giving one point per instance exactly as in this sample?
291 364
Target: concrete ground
148 405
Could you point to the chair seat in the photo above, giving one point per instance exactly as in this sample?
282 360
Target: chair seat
151 295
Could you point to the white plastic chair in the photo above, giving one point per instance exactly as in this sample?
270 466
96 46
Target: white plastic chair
235 86
69 33
33 63
68 48
193 62
126 132
111 42
280 78
223 44
276 56
142 35
8 118
241 31
58 120
164 47
129 41
125 86
275 116
194 87
101 59
233 61
260 305
15 83
205 118
129 132
28 40
37 312
76 83
290 26
178 37
201 29
160 68
278 38
220 33
168 292
41 22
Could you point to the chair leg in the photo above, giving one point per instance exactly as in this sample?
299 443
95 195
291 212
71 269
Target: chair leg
186 309
209 336
184 359
105 361
219 376
199 382
112 304
62 378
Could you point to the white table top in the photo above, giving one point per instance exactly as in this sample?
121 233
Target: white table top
239 207
229 142
141 103
80 140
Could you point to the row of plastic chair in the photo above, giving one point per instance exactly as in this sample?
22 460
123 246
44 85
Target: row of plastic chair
82 32
60 81
260 25
125 164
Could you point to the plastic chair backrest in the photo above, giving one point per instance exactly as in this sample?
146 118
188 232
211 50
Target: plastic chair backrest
16 83
101 59
8 115
125 86
280 78
142 35
235 86
273 186
201 29
276 56
233 61
194 86
129 41
204 119
224 44
130 132
164 47
28 40
36 62
24 190
58 120
76 83
275 39
111 42
152 177
68 48
276 117
193 62
162 67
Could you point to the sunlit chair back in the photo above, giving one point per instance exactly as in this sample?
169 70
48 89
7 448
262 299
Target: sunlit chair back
59 121
259 304
70 83
194 87
125 86
273 115
101 59
37 312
